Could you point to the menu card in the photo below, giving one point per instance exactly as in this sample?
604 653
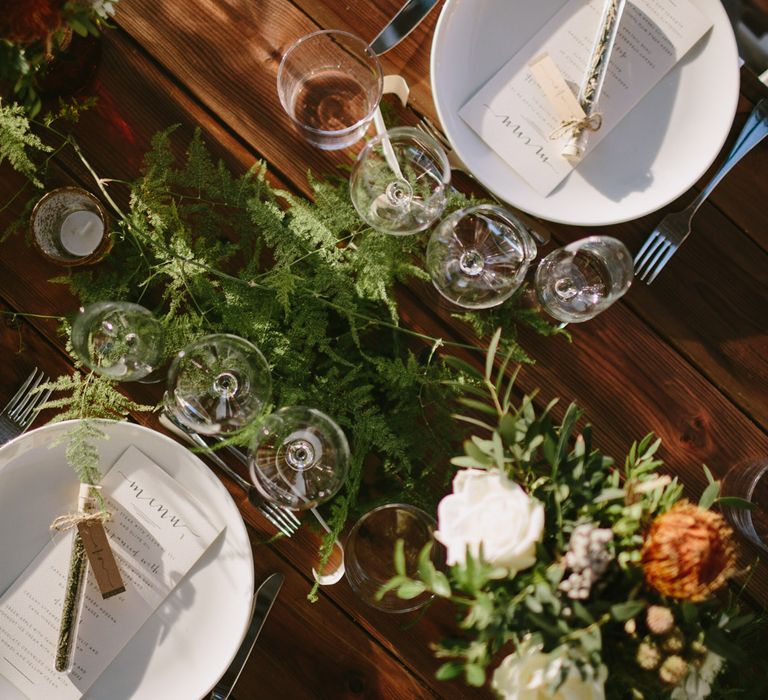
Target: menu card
512 115
157 532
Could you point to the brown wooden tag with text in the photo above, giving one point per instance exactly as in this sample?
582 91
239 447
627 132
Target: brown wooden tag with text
100 557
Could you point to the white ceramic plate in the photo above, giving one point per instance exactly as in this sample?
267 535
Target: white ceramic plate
652 156
187 644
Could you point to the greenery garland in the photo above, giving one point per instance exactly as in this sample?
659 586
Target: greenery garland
307 282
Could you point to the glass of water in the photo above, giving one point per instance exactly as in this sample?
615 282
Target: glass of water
369 553
400 180
330 84
117 339
749 481
577 282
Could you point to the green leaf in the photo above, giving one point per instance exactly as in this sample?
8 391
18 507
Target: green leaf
410 589
709 496
621 612
440 585
735 502
491 354
449 671
475 675
478 406
710 479
399 557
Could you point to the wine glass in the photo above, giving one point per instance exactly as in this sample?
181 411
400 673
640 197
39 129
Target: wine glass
218 384
369 553
477 257
399 182
300 457
330 84
577 282
117 339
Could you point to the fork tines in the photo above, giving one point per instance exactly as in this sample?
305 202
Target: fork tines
653 256
21 410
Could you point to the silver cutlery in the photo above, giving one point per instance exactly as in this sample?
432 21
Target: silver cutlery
408 17
22 408
674 228
262 604
284 520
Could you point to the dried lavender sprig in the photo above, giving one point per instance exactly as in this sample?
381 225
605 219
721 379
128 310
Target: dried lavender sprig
592 86
74 593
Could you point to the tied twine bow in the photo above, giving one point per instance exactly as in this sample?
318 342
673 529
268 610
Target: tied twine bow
68 521
63 523
593 122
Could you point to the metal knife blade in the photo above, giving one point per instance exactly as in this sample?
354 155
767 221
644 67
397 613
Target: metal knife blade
402 24
262 604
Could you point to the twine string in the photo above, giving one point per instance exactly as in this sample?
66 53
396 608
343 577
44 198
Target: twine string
592 122
68 521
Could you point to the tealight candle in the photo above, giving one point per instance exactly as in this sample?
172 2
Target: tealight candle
81 232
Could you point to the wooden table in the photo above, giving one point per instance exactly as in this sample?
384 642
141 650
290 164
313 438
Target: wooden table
685 357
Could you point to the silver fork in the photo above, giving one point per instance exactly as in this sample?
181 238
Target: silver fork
674 228
283 519
428 127
21 410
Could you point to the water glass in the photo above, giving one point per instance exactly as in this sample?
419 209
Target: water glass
399 183
477 257
330 84
117 339
749 480
218 384
300 458
577 282
369 553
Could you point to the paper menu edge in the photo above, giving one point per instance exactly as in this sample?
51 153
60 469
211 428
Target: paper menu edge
683 23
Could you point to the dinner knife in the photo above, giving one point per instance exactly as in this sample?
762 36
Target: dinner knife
262 604
402 24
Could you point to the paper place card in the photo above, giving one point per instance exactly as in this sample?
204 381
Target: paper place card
514 117
157 532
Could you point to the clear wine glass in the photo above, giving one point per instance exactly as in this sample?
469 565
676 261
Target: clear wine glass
330 84
577 282
218 384
369 553
300 457
477 257
117 339
399 182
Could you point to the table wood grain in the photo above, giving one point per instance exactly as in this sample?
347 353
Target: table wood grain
685 357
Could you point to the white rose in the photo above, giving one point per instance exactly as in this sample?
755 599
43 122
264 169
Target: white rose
487 508
529 674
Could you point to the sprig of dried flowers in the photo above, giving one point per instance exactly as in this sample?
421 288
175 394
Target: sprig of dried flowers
590 581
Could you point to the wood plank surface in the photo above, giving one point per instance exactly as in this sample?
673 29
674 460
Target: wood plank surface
684 357
131 81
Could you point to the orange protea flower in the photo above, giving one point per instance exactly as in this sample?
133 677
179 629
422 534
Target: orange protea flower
28 21
688 552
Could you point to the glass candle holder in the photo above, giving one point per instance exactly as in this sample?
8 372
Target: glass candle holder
69 226
330 84
369 553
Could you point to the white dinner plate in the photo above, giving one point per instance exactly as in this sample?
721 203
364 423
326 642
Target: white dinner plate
187 644
652 156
